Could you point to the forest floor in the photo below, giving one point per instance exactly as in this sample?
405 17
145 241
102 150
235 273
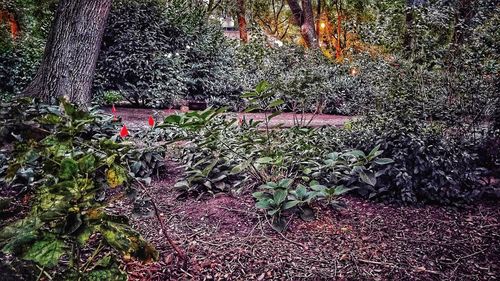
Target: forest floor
226 238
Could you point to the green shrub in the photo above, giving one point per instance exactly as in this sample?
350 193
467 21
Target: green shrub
72 161
150 60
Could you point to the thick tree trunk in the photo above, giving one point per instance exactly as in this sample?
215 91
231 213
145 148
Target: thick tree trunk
242 22
70 56
304 18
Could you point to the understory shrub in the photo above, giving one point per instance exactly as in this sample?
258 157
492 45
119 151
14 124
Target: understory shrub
227 155
21 55
306 80
152 60
71 163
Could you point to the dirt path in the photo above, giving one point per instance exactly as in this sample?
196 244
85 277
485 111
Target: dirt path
136 117
228 239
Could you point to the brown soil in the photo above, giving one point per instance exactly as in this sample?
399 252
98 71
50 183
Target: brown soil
226 238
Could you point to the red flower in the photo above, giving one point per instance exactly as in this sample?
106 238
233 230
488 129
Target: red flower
124 131
151 121
113 109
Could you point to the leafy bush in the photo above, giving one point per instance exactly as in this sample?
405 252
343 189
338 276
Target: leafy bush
428 167
20 57
222 155
150 60
71 160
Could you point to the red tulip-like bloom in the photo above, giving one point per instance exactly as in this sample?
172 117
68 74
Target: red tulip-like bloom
151 121
113 109
124 131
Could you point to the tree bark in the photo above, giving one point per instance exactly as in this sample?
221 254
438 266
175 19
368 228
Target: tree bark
304 18
307 28
338 47
296 11
71 52
242 22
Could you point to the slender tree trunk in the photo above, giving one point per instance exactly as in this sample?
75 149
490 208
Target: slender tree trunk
296 12
307 28
70 56
242 22
304 18
338 47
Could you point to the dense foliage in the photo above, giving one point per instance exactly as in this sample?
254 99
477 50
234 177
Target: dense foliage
71 163
151 60
20 54
227 155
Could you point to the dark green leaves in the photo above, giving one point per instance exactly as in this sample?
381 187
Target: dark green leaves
69 169
46 251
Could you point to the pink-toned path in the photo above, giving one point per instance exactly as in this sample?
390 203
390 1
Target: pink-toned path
134 117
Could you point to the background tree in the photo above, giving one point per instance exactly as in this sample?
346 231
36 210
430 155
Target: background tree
242 22
71 52
304 18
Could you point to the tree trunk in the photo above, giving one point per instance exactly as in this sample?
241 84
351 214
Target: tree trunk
296 12
242 22
307 28
68 65
304 18
338 47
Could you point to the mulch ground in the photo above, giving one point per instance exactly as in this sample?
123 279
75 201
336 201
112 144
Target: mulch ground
226 238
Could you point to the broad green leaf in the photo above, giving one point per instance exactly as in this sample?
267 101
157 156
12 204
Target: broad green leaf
265 203
374 150
249 95
356 153
111 159
285 183
251 108
274 114
236 169
276 103
290 204
87 163
339 190
123 238
264 160
16 235
173 119
368 178
262 86
46 252
280 196
69 169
